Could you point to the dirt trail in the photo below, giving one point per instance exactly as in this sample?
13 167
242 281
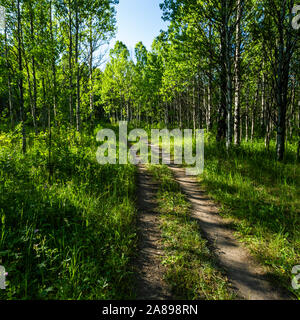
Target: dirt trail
245 274
150 283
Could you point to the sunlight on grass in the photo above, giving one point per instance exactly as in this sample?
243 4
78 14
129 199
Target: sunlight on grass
70 239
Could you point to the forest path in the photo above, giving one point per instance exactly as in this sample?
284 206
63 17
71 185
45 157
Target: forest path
150 283
245 274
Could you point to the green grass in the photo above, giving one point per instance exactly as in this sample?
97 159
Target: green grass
192 271
73 238
262 198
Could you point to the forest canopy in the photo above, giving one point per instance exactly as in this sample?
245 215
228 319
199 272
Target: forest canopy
231 67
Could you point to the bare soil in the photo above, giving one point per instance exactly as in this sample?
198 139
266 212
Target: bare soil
150 271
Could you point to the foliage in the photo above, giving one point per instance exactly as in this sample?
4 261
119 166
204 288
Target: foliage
70 239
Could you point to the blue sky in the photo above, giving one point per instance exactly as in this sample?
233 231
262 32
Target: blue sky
138 20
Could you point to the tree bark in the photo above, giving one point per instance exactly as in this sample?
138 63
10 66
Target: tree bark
29 90
222 114
54 82
20 77
91 73
77 68
263 102
237 74
70 64
228 93
34 97
10 103
253 112
194 104
247 117
283 56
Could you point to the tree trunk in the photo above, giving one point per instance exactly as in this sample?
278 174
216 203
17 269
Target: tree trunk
237 74
209 89
194 105
70 65
20 80
228 94
91 74
54 84
29 90
254 112
222 114
209 106
267 125
263 103
10 103
77 68
247 117
45 117
166 113
34 98
180 111
205 108
283 58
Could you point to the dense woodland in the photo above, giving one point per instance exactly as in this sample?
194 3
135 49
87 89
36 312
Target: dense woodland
228 66
231 67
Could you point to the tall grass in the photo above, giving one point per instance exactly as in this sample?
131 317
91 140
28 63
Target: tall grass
70 237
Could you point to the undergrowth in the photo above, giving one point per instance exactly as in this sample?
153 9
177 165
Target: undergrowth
69 236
